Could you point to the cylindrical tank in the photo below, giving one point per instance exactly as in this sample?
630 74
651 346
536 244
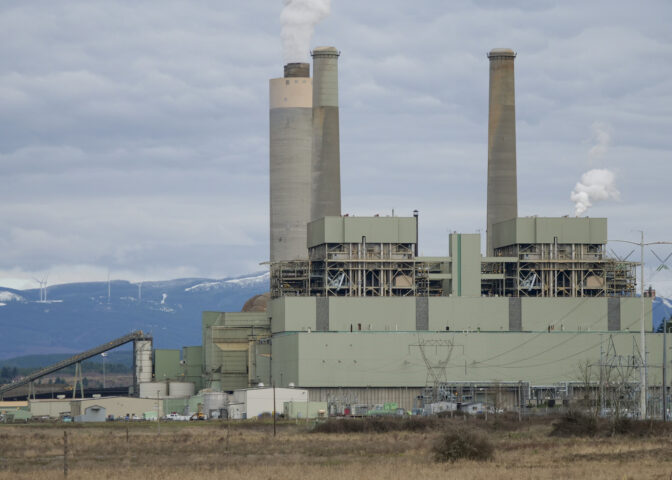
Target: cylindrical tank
153 390
180 389
143 360
290 132
214 401
326 157
502 177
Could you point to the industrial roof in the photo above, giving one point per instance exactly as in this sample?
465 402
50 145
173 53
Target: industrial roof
336 230
533 230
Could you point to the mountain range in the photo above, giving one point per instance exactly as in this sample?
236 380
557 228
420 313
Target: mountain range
79 316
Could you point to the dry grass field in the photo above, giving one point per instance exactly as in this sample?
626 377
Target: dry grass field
213 450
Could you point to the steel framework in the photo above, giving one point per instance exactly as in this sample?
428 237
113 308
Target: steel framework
564 270
392 269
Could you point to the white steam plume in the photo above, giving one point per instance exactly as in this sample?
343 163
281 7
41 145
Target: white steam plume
298 19
595 185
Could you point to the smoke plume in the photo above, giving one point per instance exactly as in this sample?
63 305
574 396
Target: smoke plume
595 185
298 19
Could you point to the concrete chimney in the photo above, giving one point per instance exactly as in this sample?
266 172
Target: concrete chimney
290 129
326 157
502 183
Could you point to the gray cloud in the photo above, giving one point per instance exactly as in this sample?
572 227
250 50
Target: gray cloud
135 134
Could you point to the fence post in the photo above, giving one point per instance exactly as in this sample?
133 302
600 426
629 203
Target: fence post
65 454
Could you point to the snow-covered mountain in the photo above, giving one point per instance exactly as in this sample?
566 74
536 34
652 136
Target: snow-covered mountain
78 316
10 296
661 310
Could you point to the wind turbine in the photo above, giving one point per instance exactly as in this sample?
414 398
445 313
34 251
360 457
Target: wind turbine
43 288
663 263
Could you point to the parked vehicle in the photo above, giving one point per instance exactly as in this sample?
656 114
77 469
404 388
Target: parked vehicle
174 416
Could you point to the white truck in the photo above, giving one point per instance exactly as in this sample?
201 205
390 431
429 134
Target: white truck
177 417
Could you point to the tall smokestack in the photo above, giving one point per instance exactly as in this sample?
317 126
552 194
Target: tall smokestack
502 183
326 157
291 123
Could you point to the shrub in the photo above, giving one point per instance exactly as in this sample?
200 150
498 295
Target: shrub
641 428
461 443
376 425
575 424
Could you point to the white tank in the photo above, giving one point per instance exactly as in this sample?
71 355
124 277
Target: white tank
214 401
143 361
153 389
180 389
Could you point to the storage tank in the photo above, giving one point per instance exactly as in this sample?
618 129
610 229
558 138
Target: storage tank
180 389
214 401
143 361
153 389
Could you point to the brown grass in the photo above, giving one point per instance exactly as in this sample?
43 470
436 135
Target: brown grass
248 450
578 424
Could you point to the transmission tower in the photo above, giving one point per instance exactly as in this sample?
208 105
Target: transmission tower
619 376
436 370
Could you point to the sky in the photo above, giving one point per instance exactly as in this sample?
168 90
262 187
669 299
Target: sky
134 139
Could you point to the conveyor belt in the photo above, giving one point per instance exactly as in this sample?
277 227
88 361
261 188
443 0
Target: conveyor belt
137 335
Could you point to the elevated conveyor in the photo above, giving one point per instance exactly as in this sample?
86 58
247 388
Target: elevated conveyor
80 357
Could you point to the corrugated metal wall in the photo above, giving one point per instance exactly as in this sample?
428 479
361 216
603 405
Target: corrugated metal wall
405 397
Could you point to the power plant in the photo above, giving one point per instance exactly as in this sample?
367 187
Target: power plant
355 313
355 316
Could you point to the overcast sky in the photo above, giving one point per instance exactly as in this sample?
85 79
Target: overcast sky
134 135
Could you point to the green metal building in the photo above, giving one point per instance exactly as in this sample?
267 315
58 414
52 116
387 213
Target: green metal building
365 317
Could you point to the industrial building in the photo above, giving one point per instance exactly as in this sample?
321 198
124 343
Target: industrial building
355 316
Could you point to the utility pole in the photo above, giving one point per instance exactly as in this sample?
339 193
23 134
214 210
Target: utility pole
104 355
158 416
642 376
602 403
665 370
520 400
274 413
